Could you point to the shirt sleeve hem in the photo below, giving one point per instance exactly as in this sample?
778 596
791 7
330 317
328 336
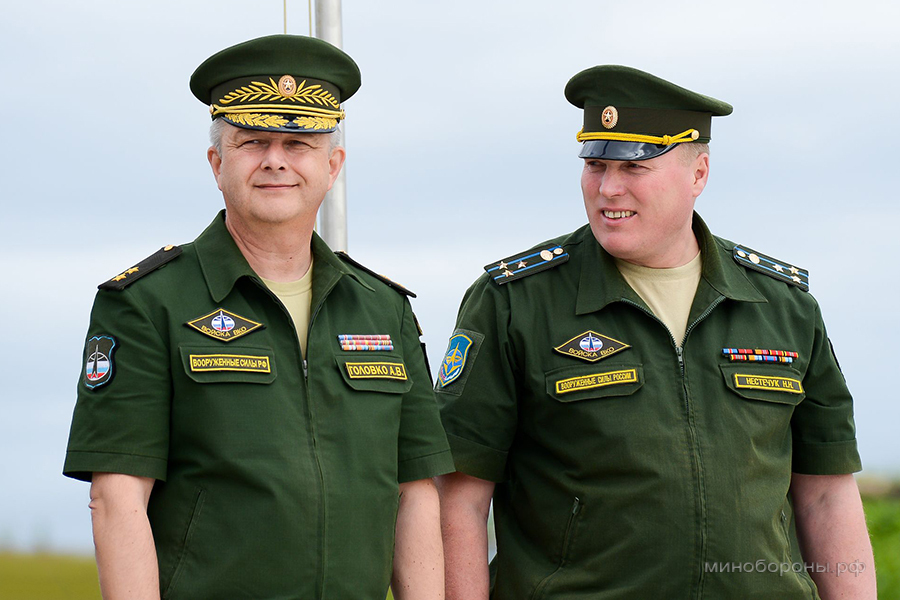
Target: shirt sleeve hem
425 467
825 458
82 465
477 459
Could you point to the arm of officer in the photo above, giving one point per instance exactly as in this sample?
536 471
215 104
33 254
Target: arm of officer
831 528
418 555
465 504
126 554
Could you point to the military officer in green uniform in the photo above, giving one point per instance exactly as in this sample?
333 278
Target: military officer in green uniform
655 411
254 411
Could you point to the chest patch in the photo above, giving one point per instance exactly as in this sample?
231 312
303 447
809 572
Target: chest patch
596 380
591 346
201 363
766 382
224 325
376 370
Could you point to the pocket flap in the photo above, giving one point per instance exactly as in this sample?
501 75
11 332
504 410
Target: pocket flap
375 373
234 364
769 383
570 384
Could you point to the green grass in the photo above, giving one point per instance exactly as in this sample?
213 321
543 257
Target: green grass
47 577
883 517
51 577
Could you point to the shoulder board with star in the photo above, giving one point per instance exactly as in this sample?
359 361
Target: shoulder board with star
527 263
777 269
146 266
391 284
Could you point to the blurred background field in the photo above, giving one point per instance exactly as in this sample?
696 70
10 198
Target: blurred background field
42 576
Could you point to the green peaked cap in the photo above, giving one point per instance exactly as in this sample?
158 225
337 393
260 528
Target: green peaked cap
288 83
633 115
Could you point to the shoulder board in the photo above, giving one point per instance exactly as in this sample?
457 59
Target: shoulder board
391 284
528 263
772 267
148 265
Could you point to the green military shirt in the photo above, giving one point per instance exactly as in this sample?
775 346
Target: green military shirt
272 483
635 468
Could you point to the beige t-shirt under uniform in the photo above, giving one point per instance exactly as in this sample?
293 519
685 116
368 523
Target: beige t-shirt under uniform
668 292
297 298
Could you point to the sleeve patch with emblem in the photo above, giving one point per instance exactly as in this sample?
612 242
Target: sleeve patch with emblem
458 359
99 367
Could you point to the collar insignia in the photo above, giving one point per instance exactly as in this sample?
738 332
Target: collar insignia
224 325
591 346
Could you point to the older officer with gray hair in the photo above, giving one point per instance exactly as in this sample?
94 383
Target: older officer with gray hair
255 413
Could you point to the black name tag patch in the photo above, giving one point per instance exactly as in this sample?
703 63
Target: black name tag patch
224 325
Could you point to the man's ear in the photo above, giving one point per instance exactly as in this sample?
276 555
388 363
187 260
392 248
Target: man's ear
335 162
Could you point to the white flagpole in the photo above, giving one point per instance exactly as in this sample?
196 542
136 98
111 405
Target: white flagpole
333 214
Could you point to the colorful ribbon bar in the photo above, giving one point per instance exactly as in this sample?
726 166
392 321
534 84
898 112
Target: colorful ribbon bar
759 351
365 342
760 357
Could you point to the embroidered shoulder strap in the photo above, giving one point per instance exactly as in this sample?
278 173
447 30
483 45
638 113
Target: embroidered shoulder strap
148 265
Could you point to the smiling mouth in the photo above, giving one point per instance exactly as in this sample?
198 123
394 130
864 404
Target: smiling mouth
618 214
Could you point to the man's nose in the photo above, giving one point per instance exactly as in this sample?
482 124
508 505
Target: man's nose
274 158
611 183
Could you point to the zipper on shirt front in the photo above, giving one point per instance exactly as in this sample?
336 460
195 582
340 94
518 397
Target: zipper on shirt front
692 429
311 428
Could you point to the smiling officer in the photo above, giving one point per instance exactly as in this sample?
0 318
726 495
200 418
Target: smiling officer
254 412
655 411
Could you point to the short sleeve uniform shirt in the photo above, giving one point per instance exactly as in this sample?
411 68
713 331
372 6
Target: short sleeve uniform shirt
627 467
277 473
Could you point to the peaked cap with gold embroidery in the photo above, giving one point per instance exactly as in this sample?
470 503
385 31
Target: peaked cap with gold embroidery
287 83
633 115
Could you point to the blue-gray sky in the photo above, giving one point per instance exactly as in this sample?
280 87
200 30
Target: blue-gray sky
461 151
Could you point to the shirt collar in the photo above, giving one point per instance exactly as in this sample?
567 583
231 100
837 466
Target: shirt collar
601 283
223 263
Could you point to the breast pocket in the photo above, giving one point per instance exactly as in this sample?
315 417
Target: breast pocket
767 383
236 364
573 384
384 373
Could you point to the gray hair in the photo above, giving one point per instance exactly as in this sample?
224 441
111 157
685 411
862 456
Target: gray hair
692 150
218 126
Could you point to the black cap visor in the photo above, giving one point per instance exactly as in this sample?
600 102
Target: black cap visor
611 150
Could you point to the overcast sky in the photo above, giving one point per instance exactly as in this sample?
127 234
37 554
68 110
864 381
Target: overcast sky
461 150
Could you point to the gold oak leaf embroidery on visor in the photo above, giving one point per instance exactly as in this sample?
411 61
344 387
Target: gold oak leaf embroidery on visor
259 91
